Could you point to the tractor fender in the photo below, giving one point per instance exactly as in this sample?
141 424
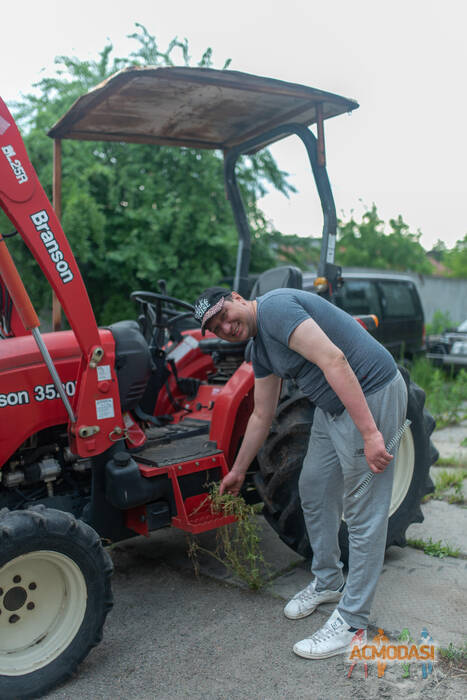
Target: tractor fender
232 409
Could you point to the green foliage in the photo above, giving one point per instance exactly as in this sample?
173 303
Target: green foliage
434 549
302 252
137 213
445 395
454 657
455 259
366 244
440 321
238 544
449 486
453 461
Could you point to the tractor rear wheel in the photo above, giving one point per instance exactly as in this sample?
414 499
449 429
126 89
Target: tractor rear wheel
281 459
54 596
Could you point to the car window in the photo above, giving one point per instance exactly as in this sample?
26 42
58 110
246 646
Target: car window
358 297
398 300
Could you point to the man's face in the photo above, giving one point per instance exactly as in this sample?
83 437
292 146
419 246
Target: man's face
235 322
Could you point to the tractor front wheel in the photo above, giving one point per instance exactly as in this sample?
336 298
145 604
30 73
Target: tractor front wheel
54 596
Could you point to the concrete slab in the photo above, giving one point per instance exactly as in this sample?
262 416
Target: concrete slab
443 521
415 590
172 636
448 441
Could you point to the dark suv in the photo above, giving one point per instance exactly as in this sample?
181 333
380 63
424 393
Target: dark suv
393 298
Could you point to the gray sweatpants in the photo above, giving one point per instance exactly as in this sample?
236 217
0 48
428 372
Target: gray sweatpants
333 467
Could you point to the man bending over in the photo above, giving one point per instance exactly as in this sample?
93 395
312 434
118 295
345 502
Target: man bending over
361 402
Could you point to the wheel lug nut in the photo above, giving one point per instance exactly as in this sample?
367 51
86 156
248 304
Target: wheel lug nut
13 618
30 606
16 579
32 586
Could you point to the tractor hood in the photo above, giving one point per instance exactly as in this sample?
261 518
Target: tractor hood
194 107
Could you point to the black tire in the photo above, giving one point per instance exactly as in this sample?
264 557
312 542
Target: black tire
54 598
281 459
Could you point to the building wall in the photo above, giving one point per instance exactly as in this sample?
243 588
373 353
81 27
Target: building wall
444 294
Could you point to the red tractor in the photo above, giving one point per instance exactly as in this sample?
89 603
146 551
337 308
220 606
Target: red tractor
107 433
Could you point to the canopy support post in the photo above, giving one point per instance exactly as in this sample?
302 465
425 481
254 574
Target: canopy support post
57 205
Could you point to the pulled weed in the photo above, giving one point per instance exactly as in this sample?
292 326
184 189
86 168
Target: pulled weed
237 544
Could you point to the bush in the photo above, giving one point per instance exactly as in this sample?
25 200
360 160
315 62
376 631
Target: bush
445 394
440 321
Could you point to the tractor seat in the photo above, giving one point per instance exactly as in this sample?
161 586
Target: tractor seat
277 278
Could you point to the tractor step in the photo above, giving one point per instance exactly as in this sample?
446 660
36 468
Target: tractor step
195 513
199 515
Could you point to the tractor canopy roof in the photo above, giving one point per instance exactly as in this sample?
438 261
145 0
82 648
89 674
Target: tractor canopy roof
194 107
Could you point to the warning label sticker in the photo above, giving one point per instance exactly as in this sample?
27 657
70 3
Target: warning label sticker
103 372
105 409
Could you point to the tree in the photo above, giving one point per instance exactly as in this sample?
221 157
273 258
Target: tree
455 259
366 244
136 213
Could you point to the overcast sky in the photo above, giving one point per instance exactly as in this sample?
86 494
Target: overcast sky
404 61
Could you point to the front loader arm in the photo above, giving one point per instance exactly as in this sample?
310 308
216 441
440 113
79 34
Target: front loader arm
26 204
97 404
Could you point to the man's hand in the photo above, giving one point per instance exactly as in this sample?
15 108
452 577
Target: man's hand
267 391
232 483
376 454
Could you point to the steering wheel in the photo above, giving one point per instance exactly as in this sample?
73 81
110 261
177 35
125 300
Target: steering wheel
161 313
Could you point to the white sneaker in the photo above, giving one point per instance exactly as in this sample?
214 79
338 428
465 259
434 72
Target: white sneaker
335 637
305 602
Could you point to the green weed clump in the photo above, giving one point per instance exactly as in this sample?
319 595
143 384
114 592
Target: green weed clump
454 657
434 549
445 393
453 461
439 323
237 544
446 480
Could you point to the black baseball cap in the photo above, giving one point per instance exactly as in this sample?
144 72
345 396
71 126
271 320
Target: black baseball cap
209 303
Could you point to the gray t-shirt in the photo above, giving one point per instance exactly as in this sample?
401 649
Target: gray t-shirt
278 314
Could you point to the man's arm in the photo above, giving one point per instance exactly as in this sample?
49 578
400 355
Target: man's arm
266 394
312 343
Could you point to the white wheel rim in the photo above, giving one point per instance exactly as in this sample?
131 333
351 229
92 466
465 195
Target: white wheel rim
403 471
42 605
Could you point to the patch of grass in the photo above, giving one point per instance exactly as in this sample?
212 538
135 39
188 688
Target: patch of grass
434 549
237 544
446 480
445 393
454 657
464 442
453 461
440 321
